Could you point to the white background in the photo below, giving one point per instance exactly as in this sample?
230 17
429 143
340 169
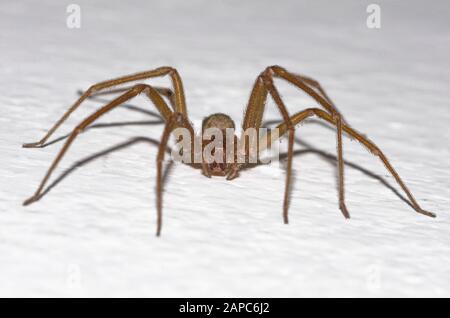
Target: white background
93 234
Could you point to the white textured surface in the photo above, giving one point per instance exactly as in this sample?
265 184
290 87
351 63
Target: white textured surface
93 234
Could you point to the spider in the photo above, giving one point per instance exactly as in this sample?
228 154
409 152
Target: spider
176 116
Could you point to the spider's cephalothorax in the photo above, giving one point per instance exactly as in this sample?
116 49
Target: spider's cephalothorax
175 115
222 124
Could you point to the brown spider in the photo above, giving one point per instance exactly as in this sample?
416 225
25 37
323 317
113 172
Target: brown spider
176 117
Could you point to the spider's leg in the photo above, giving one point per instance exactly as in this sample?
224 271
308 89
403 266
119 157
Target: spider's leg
137 89
291 127
253 119
340 150
307 85
164 91
256 105
312 82
161 71
175 121
372 147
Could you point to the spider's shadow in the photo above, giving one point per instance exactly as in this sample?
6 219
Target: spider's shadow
307 149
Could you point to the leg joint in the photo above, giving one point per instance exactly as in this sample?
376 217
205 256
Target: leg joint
140 87
79 129
274 69
167 69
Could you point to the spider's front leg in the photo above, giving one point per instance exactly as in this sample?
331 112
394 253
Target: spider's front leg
253 119
137 89
177 120
254 113
163 91
179 99
309 86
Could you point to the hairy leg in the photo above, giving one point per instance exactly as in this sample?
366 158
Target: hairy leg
307 85
176 120
161 71
256 105
258 96
291 128
163 91
372 147
254 113
253 119
137 89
